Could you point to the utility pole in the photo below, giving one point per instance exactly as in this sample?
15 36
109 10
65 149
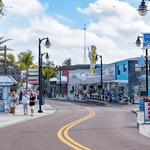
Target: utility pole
85 55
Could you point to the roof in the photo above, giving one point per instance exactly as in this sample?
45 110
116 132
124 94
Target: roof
7 80
57 80
74 67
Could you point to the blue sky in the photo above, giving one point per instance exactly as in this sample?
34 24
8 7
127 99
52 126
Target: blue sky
67 8
112 26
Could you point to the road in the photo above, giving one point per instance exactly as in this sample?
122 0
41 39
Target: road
99 128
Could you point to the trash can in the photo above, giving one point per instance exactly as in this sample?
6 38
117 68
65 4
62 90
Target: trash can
141 105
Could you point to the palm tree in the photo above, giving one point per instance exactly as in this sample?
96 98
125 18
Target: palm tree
49 70
25 61
67 62
11 58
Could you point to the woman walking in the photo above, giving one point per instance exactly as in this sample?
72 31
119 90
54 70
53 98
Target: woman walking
32 103
13 102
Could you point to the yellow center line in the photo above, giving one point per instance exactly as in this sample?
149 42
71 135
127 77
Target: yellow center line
66 139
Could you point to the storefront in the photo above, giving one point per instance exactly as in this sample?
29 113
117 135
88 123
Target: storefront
82 81
5 84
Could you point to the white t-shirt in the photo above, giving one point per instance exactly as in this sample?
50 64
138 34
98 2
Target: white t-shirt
25 99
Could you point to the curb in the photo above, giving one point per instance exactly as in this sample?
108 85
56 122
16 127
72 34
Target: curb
48 111
86 101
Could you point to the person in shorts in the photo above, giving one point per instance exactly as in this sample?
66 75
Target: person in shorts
32 103
25 102
13 102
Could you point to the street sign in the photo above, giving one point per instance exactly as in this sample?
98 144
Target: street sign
147 112
146 40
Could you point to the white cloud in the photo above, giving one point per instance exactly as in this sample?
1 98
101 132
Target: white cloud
114 33
24 8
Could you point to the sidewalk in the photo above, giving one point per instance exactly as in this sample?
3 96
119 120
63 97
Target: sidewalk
89 101
9 119
144 129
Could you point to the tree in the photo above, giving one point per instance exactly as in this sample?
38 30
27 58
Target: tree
67 62
49 70
1 7
25 61
11 58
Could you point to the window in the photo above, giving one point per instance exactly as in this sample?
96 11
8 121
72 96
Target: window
125 68
118 70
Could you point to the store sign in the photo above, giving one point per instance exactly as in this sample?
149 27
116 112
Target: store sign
146 40
147 112
109 72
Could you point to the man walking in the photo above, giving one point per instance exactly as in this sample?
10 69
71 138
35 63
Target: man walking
25 102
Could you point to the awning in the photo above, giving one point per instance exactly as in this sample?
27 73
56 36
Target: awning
7 80
57 80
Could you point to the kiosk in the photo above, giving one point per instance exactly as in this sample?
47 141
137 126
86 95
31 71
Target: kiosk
5 83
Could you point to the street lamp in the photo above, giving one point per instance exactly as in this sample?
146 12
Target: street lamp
138 43
47 45
101 58
142 10
59 68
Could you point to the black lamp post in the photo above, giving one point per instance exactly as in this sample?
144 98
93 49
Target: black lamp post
138 43
47 45
59 68
142 10
101 58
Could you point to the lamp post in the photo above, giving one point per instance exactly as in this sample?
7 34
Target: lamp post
138 43
101 58
47 45
59 68
142 10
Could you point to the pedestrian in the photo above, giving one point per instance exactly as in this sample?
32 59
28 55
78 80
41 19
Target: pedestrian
25 102
13 102
20 97
32 103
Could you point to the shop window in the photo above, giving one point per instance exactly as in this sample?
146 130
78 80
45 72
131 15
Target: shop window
125 68
118 70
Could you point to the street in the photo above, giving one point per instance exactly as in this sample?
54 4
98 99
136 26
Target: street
100 128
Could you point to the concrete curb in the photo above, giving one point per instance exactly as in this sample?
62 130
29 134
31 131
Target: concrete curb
86 101
143 129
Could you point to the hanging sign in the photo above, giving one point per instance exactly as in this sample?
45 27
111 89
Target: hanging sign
146 40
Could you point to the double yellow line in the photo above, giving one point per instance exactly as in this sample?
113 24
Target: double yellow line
66 139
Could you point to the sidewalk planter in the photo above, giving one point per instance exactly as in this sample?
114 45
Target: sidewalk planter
141 105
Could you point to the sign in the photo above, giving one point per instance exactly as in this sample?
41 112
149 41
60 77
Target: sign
33 81
146 40
33 73
33 78
147 112
109 72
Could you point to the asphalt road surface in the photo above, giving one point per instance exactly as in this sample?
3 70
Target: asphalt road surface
77 126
